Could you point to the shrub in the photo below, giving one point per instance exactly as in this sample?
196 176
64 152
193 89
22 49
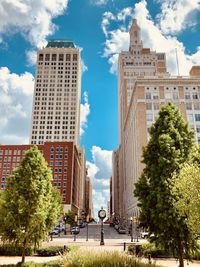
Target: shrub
108 259
12 250
33 264
51 251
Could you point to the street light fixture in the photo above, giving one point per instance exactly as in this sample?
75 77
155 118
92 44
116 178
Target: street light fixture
87 221
131 219
75 219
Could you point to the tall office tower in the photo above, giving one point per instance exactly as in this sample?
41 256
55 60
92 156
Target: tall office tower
56 101
144 86
137 62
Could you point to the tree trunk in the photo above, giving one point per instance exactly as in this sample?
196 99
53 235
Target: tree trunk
181 262
24 251
181 259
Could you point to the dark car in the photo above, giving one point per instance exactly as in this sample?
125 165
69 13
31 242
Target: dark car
75 230
121 230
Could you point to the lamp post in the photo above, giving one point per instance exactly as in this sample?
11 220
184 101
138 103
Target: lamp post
131 219
102 215
87 221
65 221
75 219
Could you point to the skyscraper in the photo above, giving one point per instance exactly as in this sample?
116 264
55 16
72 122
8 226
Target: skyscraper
144 86
56 101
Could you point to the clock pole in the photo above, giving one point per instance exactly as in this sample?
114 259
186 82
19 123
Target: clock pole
102 215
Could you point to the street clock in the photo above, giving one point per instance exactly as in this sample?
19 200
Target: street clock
102 214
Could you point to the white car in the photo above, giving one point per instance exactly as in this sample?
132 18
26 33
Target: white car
144 235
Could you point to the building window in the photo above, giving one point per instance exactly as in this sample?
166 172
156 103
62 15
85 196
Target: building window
61 57
54 57
194 95
41 57
168 95
148 95
189 106
187 95
149 117
149 106
196 106
197 117
47 57
68 57
190 117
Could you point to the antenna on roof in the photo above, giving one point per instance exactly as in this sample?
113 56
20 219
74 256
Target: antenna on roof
177 62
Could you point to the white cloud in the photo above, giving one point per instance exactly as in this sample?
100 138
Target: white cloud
15 106
84 67
177 15
33 19
31 56
100 171
85 111
153 36
98 2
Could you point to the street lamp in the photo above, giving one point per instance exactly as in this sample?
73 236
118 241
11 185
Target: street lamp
131 219
75 219
65 221
87 221
102 215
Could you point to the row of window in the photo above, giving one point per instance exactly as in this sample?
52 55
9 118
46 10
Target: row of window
59 57
171 95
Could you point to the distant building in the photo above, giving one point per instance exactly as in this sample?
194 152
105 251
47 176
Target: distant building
56 100
83 175
88 198
143 87
62 158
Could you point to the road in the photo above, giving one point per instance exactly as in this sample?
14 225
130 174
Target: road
94 232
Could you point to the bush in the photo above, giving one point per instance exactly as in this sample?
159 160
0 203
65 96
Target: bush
108 259
11 250
156 252
51 251
33 264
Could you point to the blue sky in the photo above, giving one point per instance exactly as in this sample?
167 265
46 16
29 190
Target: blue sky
100 29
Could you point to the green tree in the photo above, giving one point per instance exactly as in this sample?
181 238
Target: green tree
169 147
30 206
70 217
187 190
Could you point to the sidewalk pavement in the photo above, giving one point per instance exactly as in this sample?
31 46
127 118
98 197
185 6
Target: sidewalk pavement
92 245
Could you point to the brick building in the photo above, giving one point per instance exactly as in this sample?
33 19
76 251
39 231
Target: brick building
62 158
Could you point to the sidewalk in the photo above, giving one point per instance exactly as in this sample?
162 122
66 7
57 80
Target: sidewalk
92 245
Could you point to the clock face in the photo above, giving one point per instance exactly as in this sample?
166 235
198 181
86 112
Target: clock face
102 214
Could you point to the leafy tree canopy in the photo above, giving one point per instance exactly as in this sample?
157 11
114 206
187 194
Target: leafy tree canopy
187 190
170 144
29 206
70 217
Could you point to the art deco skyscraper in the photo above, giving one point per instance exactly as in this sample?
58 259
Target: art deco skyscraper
144 85
56 101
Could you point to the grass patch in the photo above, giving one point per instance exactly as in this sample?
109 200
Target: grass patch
103 259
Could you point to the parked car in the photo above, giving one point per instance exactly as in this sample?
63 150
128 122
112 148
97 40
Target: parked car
75 230
54 232
82 225
121 230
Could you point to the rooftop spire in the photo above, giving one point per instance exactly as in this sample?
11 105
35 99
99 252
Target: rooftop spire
135 34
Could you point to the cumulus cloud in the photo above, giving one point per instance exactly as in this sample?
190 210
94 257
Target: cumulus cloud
100 171
85 111
177 15
15 106
32 19
154 34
